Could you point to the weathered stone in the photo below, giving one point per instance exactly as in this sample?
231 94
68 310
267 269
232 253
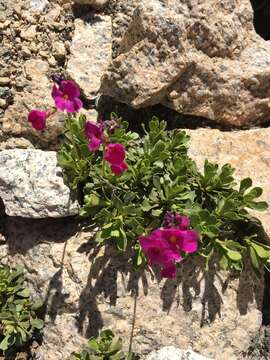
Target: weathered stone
37 95
31 185
94 3
172 353
248 151
38 5
203 59
90 52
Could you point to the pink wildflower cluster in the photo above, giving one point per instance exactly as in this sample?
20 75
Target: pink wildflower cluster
164 246
114 153
66 96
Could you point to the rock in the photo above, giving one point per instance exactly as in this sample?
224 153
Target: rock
94 3
38 5
60 50
29 33
90 53
248 151
214 314
205 60
31 185
4 81
37 95
172 353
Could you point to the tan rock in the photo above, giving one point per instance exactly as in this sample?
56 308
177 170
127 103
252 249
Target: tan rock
29 33
205 60
37 96
94 3
215 314
90 53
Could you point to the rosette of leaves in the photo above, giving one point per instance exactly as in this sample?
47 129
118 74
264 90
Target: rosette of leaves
18 313
162 177
105 347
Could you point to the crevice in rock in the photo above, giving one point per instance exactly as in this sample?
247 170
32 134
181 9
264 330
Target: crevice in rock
262 17
106 105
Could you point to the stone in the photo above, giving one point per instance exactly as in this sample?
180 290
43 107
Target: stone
38 5
172 353
90 53
248 151
37 95
59 50
29 33
4 81
94 3
203 59
31 185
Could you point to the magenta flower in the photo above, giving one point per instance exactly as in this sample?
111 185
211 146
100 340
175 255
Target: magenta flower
38 119
172 219
95 134
183 240
182 221
163 247
115 155
66 96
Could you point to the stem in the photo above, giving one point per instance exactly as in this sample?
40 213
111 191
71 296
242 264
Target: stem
133 321
63 255
103 163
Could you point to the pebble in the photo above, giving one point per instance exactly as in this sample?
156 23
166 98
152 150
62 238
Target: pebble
4 81
29 33
3 103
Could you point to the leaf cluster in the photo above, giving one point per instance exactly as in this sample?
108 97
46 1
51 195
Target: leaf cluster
18 314
162 177
105 347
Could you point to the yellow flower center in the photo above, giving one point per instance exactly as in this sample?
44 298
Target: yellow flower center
65 96
173 239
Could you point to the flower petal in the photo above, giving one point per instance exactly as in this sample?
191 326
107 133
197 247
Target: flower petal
118 169
60 103
189 241
115 154
169 271
38 119
69 88
94 144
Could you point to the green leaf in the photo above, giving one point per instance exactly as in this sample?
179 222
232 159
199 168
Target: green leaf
245 184
37 323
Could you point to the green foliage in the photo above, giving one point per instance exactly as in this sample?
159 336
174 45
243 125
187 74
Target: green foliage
161 177
105 347
18 318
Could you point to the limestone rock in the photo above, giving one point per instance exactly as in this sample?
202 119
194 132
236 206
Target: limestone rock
172 353
31 185
199 58
90 52
37 95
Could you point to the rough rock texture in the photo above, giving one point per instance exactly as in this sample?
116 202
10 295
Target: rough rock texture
172 353
247 151
36 95
94 3
31 185
216 315
90 52
199 58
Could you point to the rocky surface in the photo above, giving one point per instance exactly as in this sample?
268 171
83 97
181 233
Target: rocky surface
95 289
94 3
247 151
172 353
203 59
91 52
31 185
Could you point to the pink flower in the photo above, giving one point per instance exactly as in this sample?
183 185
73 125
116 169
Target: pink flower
38 119
182 221
115 155
183 240
163 247
94 133
158 250
66 96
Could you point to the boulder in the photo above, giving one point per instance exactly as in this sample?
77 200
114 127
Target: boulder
216 314
202 58
90 52
32 186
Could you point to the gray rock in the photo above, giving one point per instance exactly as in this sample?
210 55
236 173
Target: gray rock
31 185
91 50
203 59
172 353
38 5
